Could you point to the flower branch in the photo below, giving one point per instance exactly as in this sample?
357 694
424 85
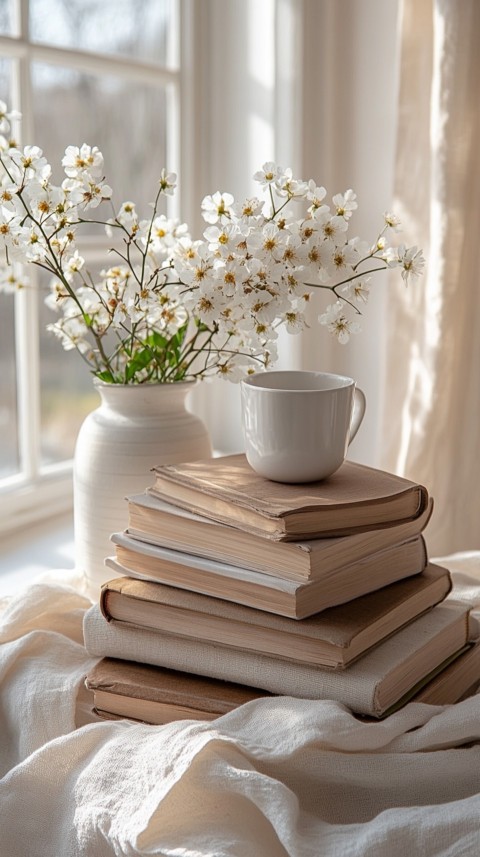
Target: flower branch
174 308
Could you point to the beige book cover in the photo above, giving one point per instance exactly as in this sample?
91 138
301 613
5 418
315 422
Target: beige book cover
355 499
372 685
122 689
290 598
332 638
158 695
458 680
157 522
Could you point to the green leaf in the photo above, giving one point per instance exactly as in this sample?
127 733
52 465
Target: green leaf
201 326
106 376
156 340
140 361
182 331
177 340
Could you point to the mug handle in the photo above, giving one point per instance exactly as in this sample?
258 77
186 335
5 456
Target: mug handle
359 406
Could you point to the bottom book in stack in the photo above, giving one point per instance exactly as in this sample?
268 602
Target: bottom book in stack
123 689
373 654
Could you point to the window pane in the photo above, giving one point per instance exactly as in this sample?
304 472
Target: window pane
9 456
127 121
66 390
5 80
6 17
137 28
9 451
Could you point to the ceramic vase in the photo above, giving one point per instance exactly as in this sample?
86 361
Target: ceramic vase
135 428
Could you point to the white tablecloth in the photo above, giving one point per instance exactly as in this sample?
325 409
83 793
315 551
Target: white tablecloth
275 777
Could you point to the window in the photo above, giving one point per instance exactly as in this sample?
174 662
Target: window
106 73
248 82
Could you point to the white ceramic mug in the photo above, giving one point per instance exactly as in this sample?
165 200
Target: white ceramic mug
297 425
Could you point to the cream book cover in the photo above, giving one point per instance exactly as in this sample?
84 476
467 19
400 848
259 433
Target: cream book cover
156 522
382 678
134 558
355 499
158 695
332 638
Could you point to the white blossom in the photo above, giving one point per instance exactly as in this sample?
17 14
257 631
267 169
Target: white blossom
231 276
332 227
6 117
338 323
168 182
233 369
358 290
217 207
345 203
268 174
268 242
93 193
86 159
12 280
71 332
223 238
169 306
287 185
44 198
127 215
30 164
248 210
75 263
409 259
294 321
9 197
315 196
392 221
344 258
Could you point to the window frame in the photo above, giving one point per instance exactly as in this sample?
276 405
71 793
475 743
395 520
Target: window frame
45 491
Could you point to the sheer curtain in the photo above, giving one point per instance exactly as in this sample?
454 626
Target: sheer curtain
311 84
231 112
431 425
349 84
327 87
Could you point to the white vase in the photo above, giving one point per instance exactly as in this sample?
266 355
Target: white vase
135 428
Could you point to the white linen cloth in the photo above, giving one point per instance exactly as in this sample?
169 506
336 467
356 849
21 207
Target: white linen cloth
275 777
431 393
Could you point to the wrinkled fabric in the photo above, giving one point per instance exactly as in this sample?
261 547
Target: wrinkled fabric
431 396
277 776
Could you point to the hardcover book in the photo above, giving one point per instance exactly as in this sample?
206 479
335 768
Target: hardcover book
458 680
332 638
355 499
387 676
290 598
156 695
140 692
157 522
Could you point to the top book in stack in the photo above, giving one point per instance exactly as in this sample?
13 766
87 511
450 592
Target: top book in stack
356 499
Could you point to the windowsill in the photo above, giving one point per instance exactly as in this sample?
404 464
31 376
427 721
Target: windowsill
35 550
31 508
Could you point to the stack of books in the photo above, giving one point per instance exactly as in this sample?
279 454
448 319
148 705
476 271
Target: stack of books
227 587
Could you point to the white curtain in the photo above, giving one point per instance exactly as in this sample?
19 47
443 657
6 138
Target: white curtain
232 115
328 87
431 425
311 84
348 65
